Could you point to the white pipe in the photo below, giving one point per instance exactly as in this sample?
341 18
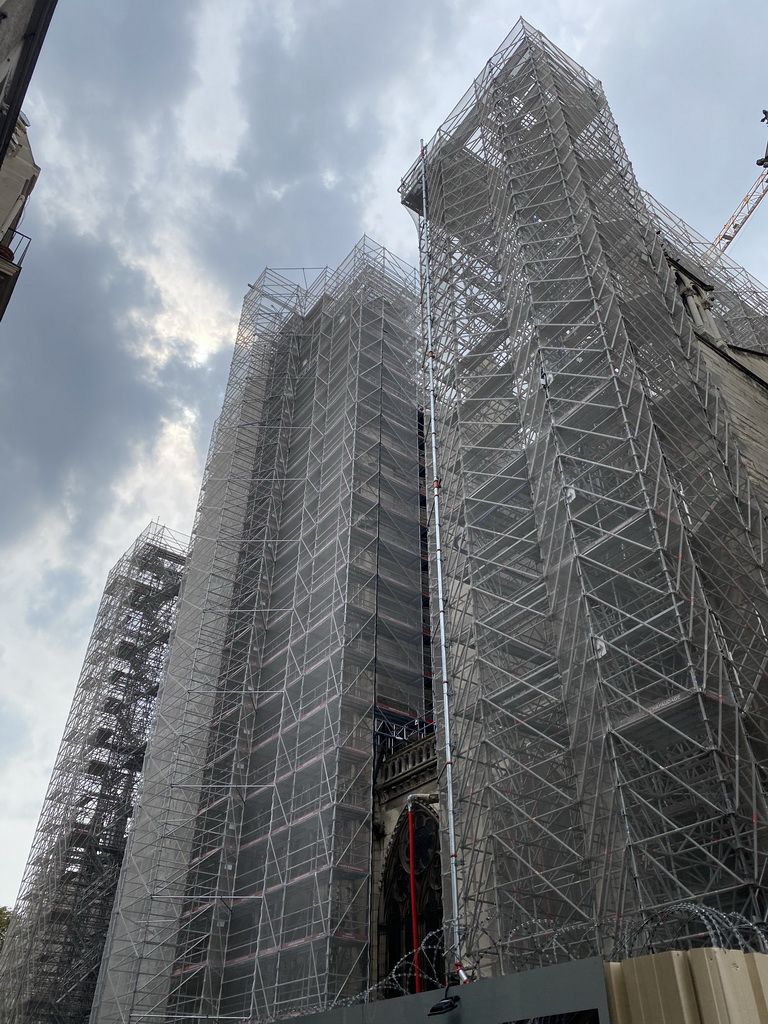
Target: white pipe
430 363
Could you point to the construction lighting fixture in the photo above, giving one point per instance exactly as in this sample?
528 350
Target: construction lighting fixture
445 1005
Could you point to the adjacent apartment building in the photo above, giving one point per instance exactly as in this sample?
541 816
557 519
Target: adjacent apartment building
23 25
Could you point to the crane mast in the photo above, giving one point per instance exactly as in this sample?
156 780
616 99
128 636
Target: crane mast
747 206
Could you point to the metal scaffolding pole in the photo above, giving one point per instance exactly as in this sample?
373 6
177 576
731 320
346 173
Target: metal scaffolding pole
430 364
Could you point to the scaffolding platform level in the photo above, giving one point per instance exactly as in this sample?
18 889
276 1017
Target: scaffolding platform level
604 490
247 891
53 949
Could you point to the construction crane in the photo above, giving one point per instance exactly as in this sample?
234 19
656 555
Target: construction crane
748 204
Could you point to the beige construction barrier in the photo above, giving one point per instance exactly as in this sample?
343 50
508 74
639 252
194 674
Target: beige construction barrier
698 986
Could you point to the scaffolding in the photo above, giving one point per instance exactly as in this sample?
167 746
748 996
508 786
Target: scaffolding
247 888
602 539
53 948
739 301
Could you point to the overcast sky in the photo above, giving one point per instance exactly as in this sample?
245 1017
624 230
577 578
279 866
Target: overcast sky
186 144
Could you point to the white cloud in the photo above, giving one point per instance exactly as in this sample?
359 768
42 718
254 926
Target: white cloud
212 118
196 317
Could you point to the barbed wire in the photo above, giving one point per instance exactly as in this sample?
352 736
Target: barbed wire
723 930
431 968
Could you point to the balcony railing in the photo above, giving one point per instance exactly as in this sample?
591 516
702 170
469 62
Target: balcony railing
15 249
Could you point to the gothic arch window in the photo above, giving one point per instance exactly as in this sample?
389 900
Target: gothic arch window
395 929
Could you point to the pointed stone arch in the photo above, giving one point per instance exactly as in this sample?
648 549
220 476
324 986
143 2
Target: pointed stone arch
394 911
